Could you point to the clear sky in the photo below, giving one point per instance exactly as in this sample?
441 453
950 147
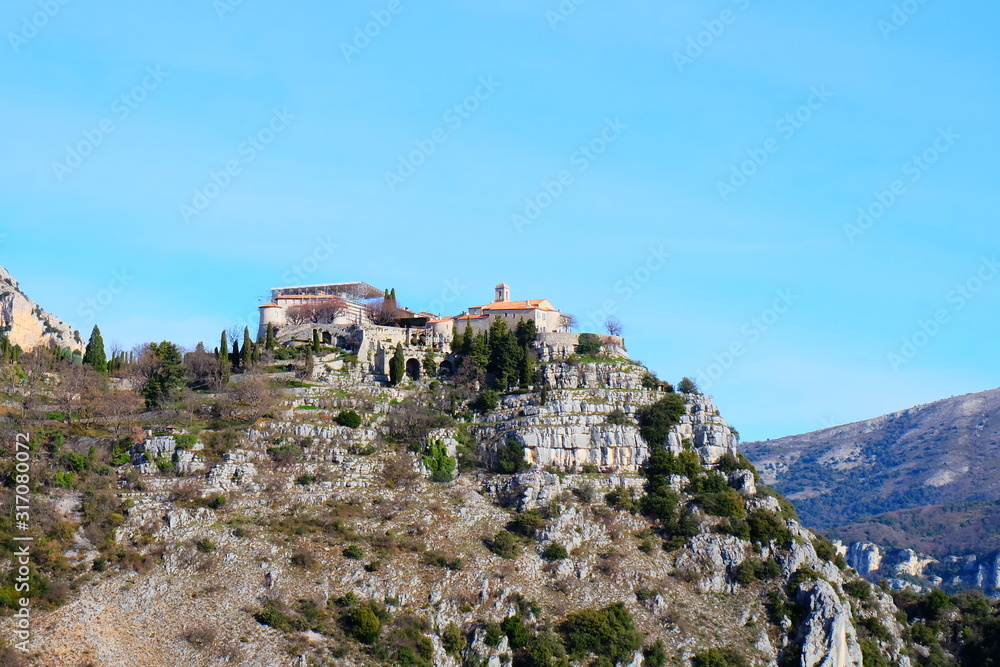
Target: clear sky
698 168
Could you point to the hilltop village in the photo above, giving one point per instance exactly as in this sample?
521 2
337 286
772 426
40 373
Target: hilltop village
368 321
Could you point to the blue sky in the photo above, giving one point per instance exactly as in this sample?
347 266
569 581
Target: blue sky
698 168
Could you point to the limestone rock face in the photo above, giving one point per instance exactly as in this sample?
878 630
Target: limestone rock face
864 557
573 428
829 638
717 556
28 325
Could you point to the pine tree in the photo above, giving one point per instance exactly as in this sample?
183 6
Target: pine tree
246 355
397 365
505 355
94 355
168 377
224 363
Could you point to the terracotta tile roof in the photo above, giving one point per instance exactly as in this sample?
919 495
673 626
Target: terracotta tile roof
270 305
536 304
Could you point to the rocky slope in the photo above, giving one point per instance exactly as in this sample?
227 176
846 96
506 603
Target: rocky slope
26 324
271 554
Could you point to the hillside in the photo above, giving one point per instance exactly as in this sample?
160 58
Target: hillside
306 512
926 478
26 325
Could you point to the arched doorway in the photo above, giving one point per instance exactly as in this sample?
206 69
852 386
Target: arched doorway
446 368
413 368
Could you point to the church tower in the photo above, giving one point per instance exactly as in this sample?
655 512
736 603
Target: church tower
502 293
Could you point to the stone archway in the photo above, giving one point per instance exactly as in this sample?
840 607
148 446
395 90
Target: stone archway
446 367
413 368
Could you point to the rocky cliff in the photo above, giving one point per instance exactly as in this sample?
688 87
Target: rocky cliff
26 324
298 540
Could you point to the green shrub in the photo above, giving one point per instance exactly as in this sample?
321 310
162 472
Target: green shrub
349 418
656 420
453 641
589 345
605 633
511 458
205 545
555 551
746 572
824 548
622 498
872 655
487 400
726 503
363 624
354 552
859 589
505 545
528 523
120 459
654 655
801 576
275 614
617 417
438 462
766 526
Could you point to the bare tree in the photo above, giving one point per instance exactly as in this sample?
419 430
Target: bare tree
317 312
567 321
256 395
201 364
121 407
384 312
613 325
78 387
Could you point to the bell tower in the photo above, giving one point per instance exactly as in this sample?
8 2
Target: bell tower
502 293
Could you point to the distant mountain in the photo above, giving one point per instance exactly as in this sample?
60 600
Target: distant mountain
26 324
926 478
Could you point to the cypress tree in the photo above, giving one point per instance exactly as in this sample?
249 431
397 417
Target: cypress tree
224 363
397 365
246 355
270 341
234 357
94 355
316 341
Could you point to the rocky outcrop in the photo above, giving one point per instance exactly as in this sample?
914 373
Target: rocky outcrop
574 428
828 635
26 324
864 557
